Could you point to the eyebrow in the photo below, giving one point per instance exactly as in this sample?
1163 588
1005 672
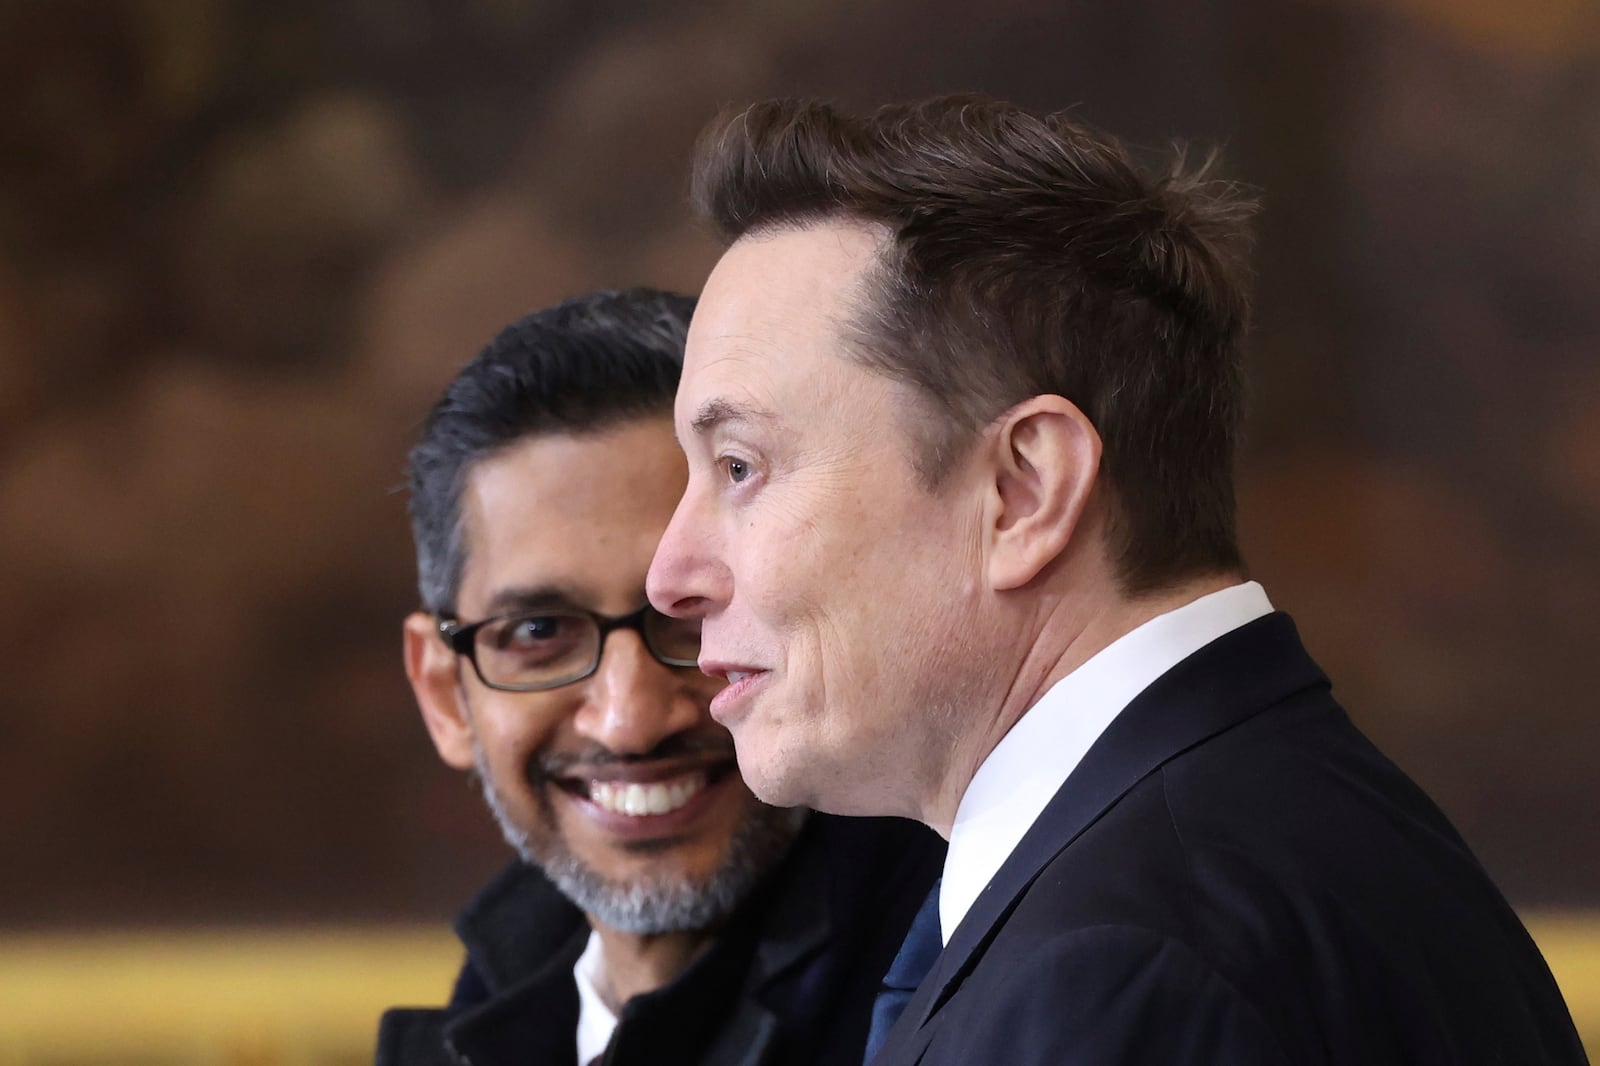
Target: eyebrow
531 600
516 600
719 411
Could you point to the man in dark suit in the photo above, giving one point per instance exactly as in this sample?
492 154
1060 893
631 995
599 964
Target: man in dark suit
658 913
960 403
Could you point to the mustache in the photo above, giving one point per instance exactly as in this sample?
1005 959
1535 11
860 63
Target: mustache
717 745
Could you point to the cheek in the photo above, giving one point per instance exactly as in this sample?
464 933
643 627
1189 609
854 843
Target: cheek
858 643
511 735
819 619
841 591
907 626
818 566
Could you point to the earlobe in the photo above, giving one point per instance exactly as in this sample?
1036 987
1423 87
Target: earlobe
432 670
1046 460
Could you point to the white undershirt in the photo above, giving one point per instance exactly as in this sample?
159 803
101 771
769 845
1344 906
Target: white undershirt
596 1021
1029 765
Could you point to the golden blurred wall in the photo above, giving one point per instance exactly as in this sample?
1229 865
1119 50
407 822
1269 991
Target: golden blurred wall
312 997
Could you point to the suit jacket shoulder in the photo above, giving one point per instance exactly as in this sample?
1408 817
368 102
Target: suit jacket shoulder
1234 874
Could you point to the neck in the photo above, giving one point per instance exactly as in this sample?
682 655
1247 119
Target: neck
1063 638
633 963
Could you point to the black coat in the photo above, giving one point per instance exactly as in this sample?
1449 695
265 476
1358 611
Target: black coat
789 981
1234 874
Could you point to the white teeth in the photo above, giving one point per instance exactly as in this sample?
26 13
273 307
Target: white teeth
636 800
735 676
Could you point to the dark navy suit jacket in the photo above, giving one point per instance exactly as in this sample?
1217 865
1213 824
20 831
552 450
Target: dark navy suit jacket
1234 874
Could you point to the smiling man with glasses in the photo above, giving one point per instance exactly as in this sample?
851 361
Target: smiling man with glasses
659 912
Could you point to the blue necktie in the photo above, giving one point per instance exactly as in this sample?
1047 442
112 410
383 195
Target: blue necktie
917 954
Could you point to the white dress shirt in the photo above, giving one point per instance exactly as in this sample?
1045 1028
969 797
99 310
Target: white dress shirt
596 1021
1029 765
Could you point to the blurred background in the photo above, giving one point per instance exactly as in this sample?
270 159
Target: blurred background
244 244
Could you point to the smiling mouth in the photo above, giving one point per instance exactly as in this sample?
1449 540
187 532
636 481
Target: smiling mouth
637 799
644 799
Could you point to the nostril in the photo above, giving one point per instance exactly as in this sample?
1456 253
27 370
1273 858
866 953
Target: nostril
670 597
690 606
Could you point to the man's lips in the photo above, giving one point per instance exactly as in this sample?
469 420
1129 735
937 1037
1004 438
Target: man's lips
731 672
641 790
741 678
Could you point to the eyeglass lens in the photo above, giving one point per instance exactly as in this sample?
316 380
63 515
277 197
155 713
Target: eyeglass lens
552 647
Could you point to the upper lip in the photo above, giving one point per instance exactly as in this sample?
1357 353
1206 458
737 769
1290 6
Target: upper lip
644 773
719 668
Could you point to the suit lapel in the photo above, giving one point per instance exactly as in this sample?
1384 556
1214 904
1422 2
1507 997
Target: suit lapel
1235 677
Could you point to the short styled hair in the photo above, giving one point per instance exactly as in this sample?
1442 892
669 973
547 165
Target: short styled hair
1027 255
580 367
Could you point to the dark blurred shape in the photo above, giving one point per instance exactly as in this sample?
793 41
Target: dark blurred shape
243 245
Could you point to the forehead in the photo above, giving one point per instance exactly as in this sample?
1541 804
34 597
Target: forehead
579 512
777 303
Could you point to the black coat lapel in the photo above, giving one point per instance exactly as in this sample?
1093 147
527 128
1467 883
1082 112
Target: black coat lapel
517 922
534 1022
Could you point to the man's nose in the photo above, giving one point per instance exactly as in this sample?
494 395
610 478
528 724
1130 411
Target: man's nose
635 702
686 579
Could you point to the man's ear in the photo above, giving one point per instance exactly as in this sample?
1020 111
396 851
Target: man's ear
1046 457
432 669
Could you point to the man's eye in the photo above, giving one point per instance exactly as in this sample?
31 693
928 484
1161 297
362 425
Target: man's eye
522 649
737 469
522 632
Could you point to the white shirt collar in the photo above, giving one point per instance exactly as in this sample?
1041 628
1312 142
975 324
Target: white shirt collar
596 1021
1029 765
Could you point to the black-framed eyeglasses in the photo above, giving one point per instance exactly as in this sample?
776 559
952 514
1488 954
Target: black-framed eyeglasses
530 651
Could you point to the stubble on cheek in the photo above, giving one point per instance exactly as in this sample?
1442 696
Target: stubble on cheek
542 791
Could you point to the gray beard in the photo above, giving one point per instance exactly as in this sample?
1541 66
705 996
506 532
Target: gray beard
651 905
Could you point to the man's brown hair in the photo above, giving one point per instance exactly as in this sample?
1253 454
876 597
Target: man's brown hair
1028 255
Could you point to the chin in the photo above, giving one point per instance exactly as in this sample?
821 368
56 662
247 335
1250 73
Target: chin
847 804
771 786
784 767
800 784
774 779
